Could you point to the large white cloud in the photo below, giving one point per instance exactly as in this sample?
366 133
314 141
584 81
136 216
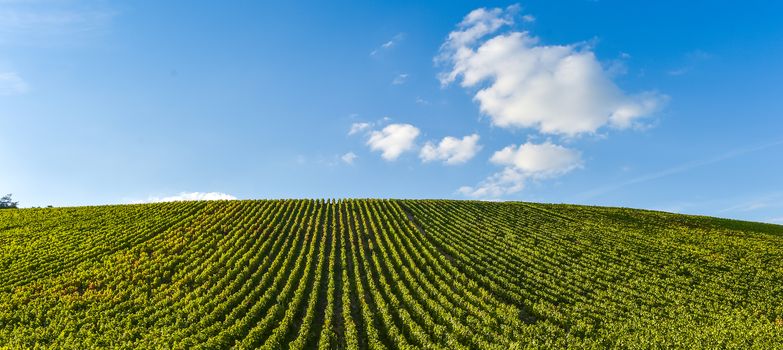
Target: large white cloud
451 150
527 161
556 89
393 140
190 196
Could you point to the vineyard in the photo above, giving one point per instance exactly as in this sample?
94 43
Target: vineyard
386 274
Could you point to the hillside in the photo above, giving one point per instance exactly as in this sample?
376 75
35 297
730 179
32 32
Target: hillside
386 274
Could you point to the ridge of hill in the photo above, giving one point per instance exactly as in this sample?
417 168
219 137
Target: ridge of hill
377 274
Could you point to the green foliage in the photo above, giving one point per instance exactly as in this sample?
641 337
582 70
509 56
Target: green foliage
386 274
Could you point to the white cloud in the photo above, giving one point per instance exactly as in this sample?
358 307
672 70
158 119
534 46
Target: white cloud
539 160
477 24
393 140
529 18
451 150
528 161
349 157
507 181
556 89
400 79
358 127
12 84
190 196
776 220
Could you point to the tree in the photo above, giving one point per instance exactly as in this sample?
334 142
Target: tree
7 203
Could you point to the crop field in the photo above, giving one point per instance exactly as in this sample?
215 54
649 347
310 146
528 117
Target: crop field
385 274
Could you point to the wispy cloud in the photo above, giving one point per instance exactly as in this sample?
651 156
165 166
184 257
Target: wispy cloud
678 169
51 23
12 84
394 41
770 200
359 127
678 71
349 158
692 59
400 79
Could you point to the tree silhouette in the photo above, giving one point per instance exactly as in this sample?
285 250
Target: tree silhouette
7 203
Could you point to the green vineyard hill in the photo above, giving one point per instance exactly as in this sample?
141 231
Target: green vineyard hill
386 274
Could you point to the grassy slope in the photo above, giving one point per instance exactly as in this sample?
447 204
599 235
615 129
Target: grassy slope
441 274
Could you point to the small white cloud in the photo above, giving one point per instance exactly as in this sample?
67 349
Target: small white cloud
12 84
358 127
422 101
451 150
678 71
507 181
616 67
698 55
692 59
389 44
528 161
556 89
539 160
190 196
349 157
393 140
529 18
400 79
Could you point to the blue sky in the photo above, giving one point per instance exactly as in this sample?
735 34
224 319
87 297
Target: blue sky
659 105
